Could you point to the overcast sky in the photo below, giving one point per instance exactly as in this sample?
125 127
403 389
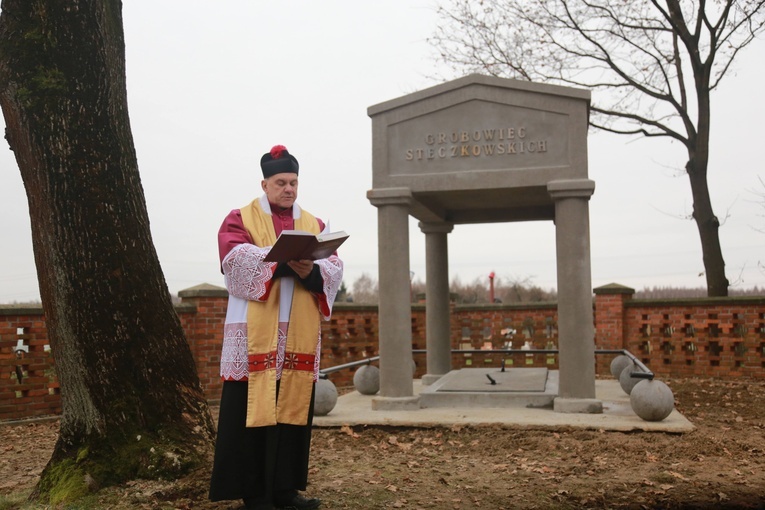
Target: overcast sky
212 86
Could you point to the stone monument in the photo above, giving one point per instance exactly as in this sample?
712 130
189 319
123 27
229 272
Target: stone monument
480 149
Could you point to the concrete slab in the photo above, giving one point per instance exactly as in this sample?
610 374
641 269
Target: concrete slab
516 387
356 409
511 380
577 405
395 403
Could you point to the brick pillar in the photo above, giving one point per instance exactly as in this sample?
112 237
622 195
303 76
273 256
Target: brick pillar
610 320
202 312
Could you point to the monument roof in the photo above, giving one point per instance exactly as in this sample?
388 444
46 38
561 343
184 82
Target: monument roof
482 79
480 149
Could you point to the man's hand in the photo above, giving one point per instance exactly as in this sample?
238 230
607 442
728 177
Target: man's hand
302 267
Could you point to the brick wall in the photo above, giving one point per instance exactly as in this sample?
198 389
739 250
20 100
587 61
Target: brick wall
714 337
705 339
709 337
504 326
28 384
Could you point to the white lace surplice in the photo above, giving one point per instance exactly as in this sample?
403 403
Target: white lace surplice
247 278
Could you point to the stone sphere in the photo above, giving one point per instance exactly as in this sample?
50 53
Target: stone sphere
652 400
366 380
325 397
627 382
618 364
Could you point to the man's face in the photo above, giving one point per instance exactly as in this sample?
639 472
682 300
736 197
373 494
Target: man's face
281 189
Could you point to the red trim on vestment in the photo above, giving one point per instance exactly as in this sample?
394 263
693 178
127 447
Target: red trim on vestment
261 362
292 361
297 361
323 304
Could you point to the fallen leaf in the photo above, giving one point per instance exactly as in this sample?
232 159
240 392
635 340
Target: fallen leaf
349 431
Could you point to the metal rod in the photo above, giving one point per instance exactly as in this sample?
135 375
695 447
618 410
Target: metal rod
645 373
366 361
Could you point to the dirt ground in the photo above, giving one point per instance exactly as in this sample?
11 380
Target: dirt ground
721 464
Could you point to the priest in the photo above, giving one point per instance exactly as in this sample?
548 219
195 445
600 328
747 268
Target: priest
271 347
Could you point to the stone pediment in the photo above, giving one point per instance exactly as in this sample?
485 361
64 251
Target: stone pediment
480 149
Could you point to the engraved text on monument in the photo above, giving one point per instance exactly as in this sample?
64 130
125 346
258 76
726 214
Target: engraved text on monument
476 143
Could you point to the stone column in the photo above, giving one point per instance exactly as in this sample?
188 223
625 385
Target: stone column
395 308
576 393
438 338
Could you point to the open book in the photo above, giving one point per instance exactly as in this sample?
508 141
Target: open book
300 245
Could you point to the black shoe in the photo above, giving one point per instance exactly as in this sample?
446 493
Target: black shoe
252 504
297 502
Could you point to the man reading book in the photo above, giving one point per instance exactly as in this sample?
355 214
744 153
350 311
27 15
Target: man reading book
271 346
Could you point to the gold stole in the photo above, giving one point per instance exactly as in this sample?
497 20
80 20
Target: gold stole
291 406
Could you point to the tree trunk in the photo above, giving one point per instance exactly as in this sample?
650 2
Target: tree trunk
131 400
698 161
709 226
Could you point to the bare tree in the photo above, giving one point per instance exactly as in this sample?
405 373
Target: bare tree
508 290
761 197
365 290
522 290
131 399
653 63
476 291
